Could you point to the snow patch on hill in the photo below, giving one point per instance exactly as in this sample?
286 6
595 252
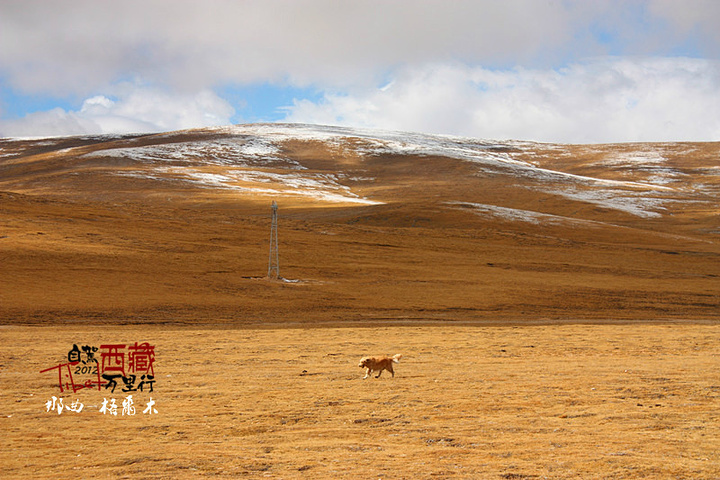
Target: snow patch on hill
517 215
634 203
253 159
650 163
318 187
225 152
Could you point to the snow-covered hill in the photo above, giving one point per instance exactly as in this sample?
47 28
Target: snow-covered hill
374 225
510 180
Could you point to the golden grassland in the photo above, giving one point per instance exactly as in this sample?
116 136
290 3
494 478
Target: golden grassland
553 401
92 237
582 343
101 263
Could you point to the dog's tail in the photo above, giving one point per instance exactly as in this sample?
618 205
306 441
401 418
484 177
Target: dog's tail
396 358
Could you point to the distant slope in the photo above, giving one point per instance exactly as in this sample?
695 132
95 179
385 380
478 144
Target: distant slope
460 203
332 165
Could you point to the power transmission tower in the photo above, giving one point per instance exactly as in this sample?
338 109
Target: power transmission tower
274 261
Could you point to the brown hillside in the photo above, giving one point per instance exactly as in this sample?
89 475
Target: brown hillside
482 263
174 228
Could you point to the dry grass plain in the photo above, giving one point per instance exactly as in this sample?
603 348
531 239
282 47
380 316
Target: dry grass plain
555 401
570 340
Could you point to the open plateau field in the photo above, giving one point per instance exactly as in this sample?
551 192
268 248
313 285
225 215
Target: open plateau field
557 306
553 401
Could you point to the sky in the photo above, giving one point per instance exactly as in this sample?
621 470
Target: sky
570 71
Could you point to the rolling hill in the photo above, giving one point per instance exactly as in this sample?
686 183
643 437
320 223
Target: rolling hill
375 226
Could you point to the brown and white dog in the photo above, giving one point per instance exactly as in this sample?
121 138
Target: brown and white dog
378 364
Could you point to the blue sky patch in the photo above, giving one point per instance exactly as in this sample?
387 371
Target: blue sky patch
264 102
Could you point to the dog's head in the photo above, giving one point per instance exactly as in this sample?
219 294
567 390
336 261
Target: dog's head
364 362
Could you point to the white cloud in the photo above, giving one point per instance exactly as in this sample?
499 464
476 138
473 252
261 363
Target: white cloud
136 109
604 100
447 65
80 46
700 18
83 46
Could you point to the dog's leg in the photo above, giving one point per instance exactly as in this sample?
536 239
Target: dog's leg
379 373
367 373
390 369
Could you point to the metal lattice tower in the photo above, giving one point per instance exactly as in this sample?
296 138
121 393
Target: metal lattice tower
274 260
